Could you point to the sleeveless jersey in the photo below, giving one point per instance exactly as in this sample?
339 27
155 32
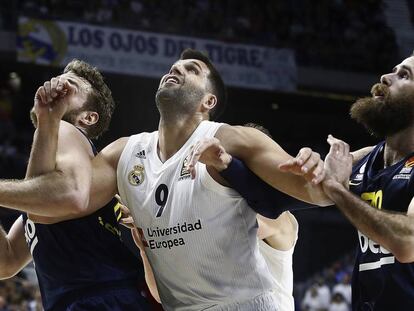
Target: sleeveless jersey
200 237
379 281
81 257
280 265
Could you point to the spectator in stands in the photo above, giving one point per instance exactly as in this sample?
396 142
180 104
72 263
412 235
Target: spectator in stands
317 297
338 303
344 288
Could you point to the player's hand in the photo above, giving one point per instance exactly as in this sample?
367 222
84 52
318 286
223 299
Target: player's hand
308 164
52 99
338 162
126 218
210 152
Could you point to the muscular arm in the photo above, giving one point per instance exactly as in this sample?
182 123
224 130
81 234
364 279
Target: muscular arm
62 192
263 156
14 252
392 230
104 170
102 186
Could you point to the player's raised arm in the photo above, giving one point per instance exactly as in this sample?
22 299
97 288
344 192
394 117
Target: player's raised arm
62 151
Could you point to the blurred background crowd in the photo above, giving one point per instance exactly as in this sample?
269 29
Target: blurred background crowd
329 36
340 34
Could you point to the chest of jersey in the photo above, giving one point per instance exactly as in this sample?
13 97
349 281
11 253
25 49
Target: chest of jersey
189 226
377 275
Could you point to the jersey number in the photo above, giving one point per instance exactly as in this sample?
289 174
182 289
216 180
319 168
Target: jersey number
161 195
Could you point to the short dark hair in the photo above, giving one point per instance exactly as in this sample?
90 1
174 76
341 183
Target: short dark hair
99 99
217 84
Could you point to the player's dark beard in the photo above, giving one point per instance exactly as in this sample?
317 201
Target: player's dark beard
71 116
172 102
387 116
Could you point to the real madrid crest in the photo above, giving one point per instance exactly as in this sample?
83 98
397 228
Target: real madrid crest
185 173
136 176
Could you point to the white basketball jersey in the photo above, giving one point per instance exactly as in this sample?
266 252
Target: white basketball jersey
200 236
280 265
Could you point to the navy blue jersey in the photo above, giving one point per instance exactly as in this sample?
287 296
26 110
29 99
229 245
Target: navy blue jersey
82 257
379 281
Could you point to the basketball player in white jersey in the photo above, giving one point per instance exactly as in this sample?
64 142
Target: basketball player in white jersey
200 236
277 240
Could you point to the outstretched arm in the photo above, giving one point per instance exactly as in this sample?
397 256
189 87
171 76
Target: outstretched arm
260 196
392 230
265 158
14 252
104 169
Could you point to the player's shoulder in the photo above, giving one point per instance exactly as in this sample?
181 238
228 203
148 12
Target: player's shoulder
237 131
113 151
143 137
68 129
71 138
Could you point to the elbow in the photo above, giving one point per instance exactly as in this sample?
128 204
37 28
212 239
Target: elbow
69 197
75 202
8 270
404 251
405 257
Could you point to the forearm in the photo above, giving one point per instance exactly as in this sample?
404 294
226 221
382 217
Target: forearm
316 195
43 154
392 230
49 195
14 253
261 197
264 157
5 257
149 277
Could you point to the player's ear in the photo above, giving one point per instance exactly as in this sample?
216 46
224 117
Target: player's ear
89 118
209 102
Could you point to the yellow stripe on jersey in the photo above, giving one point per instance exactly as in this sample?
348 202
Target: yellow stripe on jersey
118 211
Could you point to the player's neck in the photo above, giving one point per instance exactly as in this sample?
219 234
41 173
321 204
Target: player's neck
398 146
173 134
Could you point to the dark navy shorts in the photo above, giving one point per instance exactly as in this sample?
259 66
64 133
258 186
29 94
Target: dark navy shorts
114 300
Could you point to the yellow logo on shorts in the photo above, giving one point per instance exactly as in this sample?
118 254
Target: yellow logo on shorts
136 176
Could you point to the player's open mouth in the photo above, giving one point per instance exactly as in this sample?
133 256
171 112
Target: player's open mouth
172 80
379 91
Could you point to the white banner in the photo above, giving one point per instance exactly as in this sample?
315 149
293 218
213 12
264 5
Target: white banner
151 54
